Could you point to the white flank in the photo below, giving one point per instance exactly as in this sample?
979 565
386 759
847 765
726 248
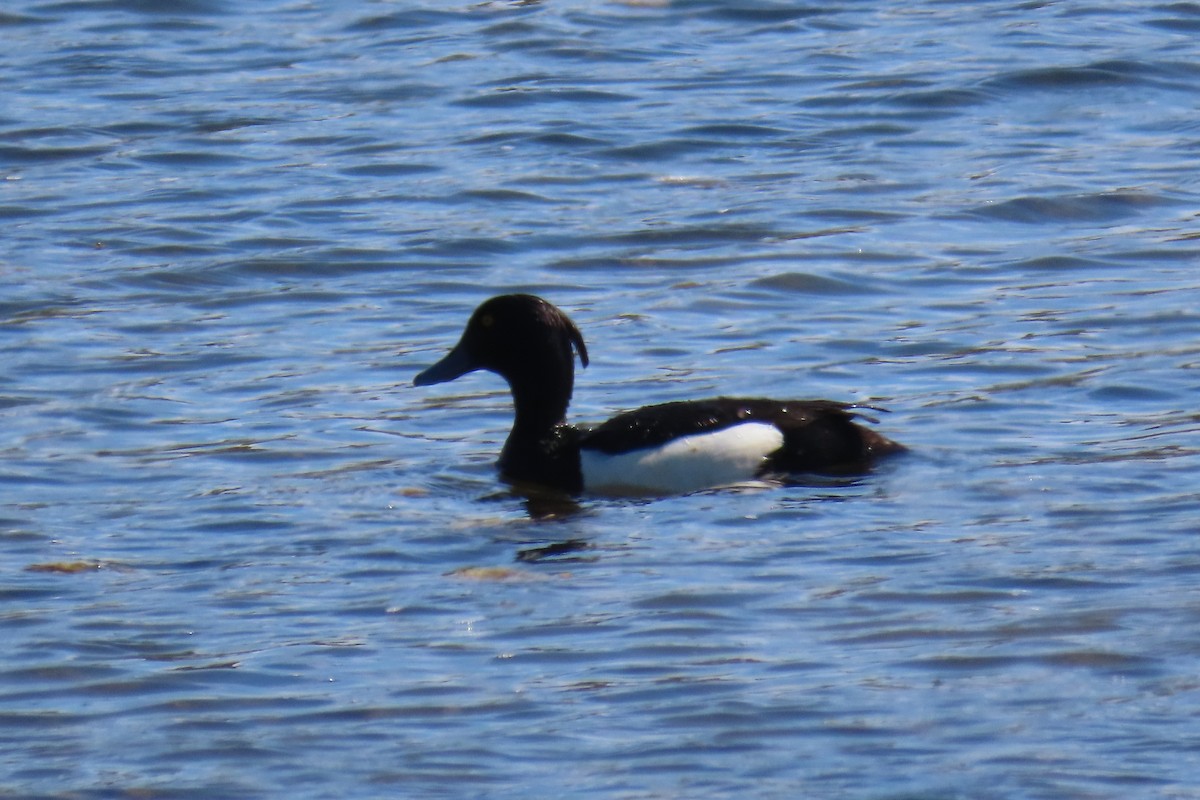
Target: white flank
686 464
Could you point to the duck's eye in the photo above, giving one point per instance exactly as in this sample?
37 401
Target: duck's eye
487 320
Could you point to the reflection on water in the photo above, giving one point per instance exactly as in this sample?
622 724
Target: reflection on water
241 556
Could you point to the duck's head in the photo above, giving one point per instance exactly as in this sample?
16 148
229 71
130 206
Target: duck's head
522 338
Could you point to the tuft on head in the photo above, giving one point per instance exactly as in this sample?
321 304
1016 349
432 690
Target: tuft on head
528 318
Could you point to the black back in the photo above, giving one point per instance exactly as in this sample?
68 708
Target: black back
817 434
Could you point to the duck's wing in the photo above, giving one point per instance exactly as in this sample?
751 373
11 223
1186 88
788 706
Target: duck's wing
655 425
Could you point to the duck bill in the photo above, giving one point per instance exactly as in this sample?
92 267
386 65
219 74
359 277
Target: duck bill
456 363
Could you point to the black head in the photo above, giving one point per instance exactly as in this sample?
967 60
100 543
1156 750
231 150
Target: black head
522 338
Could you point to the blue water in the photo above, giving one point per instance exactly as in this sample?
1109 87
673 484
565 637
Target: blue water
242 557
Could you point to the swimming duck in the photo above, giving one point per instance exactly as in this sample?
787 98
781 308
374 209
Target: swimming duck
660 449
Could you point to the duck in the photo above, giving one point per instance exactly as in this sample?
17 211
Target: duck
670 448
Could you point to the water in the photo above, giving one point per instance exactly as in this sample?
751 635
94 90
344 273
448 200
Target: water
242 557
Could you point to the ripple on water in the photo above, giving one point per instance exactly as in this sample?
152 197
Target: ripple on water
1100 207
1100 75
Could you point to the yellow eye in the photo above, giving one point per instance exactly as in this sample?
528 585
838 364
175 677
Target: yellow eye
487 320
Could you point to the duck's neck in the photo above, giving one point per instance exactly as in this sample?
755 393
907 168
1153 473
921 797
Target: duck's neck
542 448
539 407
540 400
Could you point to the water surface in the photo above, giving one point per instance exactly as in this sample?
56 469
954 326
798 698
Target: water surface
244 557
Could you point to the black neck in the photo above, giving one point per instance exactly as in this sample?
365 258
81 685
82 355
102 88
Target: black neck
541 448
540 407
